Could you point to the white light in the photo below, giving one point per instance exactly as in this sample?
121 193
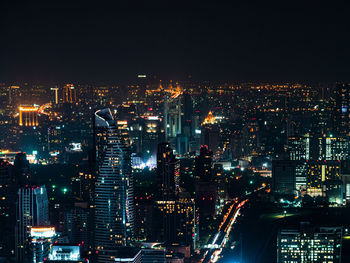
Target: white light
153 118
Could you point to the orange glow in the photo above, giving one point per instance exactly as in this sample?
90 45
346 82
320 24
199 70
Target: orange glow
210 119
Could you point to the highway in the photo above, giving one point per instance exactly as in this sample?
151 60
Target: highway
211 252
217 242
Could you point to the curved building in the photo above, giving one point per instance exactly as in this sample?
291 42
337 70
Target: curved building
114 187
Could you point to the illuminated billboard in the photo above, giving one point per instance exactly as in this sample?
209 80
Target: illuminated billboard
42 232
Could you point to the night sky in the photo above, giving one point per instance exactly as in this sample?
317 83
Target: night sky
210 40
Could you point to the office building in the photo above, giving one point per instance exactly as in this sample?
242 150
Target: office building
203 164
342 108
309 245
176 221
318 147
167 171
284 177
318 173
210 132
149 255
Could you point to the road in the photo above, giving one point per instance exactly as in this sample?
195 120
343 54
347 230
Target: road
217 242
213 250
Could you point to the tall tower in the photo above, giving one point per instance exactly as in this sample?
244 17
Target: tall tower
7 208
32 210
342 100
166 171
56 94
114 214
69 94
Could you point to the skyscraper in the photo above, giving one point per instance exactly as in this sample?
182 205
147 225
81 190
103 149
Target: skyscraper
167 170
7 208
342 102
69 94
32 210
114 219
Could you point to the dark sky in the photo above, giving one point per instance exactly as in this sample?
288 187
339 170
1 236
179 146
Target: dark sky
211 40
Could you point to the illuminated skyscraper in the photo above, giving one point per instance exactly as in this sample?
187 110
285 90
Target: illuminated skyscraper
69 94
342 99
210 132
28 116
114 215
32 210
56 94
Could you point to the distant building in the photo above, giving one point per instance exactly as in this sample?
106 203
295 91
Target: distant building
69 94
126 255
342 105
203 163
176 222
28 116
8 194
149 255
167 171
309 245
210 132
284 177
319 172
334 191
318 147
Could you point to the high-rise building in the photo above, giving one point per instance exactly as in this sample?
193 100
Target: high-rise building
7 208
203 164
21 170
55 89
210 132
176 221
221 184
172 116
289 177
77 223
284 177
28 116
114 215
319 172
167 171
310 245
342 108
32 210
69 93
318 147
